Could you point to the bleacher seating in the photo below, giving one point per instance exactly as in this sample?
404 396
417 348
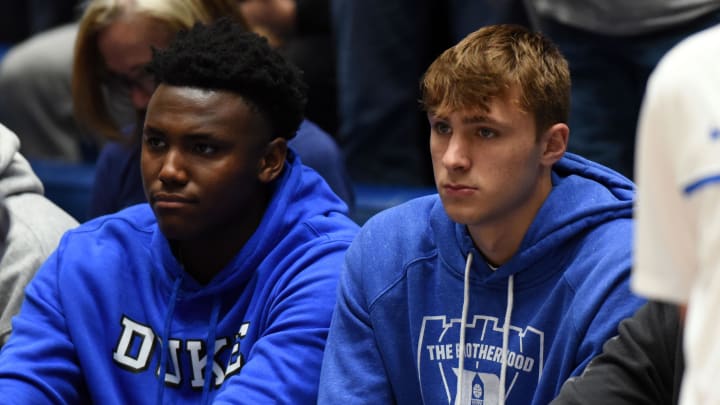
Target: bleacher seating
371 199
67 184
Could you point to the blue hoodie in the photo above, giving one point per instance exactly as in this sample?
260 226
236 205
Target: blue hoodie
397 330
102 308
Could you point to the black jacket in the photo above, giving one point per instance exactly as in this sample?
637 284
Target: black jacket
643 364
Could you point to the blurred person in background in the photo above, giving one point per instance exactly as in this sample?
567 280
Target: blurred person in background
30 228
612 46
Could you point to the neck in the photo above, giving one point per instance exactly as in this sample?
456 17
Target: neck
203 260
204 256
500 239
496 245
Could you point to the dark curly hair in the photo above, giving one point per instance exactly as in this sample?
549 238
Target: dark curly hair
224 56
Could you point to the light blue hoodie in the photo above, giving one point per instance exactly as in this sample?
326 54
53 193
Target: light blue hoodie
398 327
102 308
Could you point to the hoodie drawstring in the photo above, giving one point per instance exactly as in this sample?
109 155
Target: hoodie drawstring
506 337
210 351
460 393
166 337
463 321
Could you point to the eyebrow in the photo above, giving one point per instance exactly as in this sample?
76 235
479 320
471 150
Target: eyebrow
477 119
200 136
147 129
472 119
193 136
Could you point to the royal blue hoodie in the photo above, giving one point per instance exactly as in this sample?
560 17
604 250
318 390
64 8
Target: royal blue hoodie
529 325
102 308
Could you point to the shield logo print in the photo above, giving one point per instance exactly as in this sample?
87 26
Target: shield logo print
438 354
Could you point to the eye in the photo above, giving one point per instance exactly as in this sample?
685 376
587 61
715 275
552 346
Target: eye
487 133
442 128
204 148
153 142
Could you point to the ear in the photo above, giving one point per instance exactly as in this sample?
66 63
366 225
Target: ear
554 143
273 161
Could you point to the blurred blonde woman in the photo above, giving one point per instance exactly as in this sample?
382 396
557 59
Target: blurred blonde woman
113 45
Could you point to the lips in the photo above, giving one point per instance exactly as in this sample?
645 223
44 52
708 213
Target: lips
454 186
170 200
457 190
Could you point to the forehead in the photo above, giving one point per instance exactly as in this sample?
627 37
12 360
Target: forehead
495 109
508 101
188 109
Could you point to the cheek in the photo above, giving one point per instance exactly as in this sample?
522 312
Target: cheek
518 169
233 181
522 155
148 166
437 149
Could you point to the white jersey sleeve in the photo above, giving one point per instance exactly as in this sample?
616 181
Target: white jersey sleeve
678 171
677 242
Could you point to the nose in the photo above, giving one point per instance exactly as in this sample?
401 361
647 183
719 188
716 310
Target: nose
172 171
456 154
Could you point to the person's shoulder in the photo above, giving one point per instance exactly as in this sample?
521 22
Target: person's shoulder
103 249
405 217
701 43
602 255
37 210
389 242
111 242
36 225
332 227
403 232
128 223
609 231
312 142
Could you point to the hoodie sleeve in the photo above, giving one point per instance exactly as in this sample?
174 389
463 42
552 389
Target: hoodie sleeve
353 371
283 365
38 364
638 366
33 227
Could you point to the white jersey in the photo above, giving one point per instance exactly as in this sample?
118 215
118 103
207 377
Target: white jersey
677 241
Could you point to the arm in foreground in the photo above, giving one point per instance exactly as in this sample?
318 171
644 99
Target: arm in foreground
39 363
638 366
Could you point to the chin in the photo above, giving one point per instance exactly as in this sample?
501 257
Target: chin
458 217
462 215
175 231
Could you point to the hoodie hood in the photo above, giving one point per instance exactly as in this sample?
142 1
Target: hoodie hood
16 175
584 195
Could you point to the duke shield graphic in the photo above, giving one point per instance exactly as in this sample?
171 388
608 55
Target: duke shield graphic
438 355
